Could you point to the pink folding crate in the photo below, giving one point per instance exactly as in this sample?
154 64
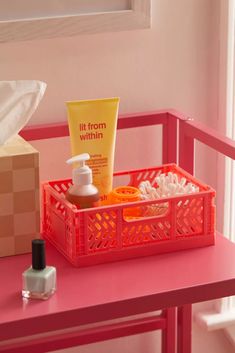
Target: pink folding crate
108 233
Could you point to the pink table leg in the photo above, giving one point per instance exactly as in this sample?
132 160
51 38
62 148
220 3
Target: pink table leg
169 333
184 329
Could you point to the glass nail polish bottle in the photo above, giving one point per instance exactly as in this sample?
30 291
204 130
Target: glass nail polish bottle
39 281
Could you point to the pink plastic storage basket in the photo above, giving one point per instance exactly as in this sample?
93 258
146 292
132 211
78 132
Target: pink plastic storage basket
103 234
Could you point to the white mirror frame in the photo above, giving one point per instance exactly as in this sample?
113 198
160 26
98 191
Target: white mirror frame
139 16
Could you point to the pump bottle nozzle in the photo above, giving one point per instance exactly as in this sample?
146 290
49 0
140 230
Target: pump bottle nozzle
82 174
82 193
80 158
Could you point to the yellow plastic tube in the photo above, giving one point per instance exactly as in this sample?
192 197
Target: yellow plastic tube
92 127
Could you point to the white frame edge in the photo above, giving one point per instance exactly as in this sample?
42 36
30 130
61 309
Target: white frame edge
226 167
42 28
212 320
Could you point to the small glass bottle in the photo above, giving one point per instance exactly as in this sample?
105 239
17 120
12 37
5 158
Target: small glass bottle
39 281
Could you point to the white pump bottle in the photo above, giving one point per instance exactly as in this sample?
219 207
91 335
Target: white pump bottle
82 193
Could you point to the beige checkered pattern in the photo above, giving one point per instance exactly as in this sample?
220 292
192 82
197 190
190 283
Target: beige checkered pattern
19 196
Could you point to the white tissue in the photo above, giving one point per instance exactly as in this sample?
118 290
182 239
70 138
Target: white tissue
18 102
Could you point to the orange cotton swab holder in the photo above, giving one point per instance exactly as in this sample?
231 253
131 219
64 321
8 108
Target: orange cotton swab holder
125 194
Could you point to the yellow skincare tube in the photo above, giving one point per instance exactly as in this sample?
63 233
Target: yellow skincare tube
92 127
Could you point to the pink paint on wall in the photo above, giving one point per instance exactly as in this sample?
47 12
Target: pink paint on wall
172 65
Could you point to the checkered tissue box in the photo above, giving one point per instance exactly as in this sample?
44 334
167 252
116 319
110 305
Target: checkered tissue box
19 196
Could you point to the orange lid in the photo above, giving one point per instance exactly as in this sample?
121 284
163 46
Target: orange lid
124 194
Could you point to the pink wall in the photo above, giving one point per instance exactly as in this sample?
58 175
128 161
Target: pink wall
173 65
167 66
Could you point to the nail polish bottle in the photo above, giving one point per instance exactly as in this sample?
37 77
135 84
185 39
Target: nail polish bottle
39 281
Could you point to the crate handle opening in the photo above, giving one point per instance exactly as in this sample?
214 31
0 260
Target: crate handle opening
146 212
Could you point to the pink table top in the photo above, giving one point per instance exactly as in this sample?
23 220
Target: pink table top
108 291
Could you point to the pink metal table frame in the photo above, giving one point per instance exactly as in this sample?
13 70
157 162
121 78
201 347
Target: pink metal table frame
179 134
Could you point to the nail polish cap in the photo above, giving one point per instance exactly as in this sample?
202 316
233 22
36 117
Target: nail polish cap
38 254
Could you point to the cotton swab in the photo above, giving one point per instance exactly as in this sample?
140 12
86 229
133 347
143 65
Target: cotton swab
168 185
